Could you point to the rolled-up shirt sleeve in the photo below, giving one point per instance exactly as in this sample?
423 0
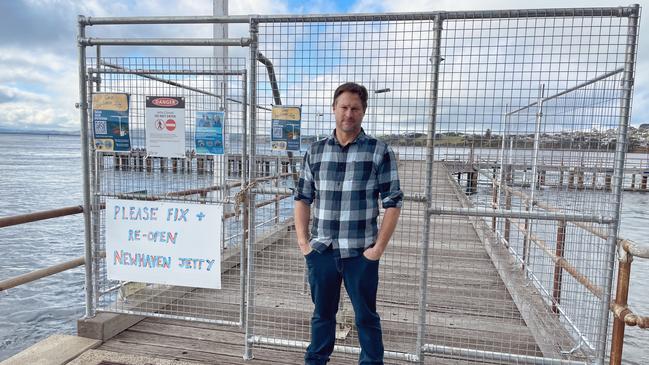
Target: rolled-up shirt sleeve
305 190
388 179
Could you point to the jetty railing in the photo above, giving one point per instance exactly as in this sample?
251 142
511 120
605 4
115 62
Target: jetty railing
623 315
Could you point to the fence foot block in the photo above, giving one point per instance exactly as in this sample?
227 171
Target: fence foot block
105 326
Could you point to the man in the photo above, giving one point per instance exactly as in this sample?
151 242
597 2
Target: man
344 176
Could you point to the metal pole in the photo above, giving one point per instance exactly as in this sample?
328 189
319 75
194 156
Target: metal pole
254 30
509 178
462 15
618 172
243 259
436 59
95 202
98 48
535 161
337 348
576 87
243 42
167 20
220 8
278 101
501 176
85 164
497 357
516 214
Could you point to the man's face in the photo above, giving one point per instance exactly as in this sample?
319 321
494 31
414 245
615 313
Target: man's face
349 113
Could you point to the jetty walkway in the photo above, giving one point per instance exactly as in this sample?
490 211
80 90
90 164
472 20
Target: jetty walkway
468 304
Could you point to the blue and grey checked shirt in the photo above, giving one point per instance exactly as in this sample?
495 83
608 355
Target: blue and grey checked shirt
345 184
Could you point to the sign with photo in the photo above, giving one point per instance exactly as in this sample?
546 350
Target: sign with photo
208 137
110 122
285 128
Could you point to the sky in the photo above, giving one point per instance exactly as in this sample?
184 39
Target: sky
38 53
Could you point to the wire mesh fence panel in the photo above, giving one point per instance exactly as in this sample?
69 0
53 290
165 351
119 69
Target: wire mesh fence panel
587 160
530 110
518 114
202 176
310 59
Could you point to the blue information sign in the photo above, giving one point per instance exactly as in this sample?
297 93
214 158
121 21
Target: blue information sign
285 128
110 122
209 133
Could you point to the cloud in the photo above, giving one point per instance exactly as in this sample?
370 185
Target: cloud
30 24
38 56
38 89
38 51
10 94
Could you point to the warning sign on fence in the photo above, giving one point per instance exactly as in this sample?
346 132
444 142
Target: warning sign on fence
165 126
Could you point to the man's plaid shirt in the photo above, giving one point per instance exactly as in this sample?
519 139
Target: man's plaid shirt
345 184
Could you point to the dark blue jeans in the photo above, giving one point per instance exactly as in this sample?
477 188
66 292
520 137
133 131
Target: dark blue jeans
361 278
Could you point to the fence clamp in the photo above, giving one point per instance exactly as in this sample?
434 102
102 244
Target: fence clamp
241 197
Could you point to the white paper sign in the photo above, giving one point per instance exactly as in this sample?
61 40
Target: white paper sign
165 126
164 243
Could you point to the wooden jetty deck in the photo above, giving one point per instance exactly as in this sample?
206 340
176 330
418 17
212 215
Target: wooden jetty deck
469 305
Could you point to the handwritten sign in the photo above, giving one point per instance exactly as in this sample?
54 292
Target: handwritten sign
164 243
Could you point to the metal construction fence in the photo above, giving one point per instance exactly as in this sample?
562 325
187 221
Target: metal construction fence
510 129
134 175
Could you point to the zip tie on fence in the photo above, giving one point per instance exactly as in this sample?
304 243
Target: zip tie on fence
241 197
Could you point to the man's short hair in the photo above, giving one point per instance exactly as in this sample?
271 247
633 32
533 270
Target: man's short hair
355 88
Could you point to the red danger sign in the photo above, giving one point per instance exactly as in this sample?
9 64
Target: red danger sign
170 125
165 102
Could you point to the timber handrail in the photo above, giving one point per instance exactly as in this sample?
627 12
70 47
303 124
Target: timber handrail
78 209
39 216
45 272
41 273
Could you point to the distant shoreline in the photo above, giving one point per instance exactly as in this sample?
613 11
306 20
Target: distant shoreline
41 133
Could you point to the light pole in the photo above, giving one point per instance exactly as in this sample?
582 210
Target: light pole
379 91
317 125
